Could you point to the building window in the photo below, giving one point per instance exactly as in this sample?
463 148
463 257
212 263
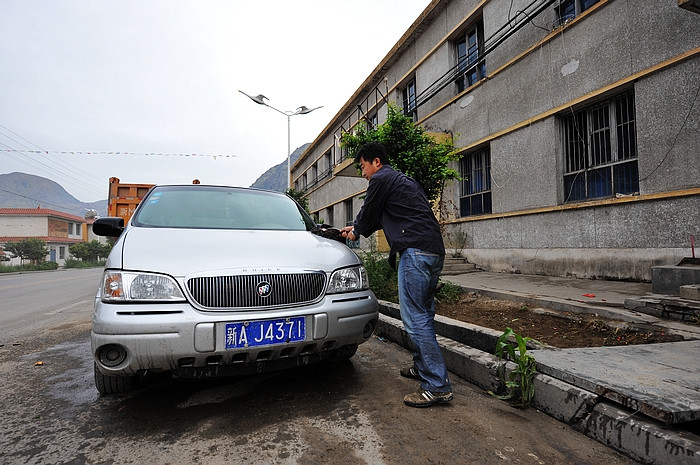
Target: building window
469 49
567 10
329 216
62 253
409 100
373 121
329 164
349 217
600 150
475 191
70 229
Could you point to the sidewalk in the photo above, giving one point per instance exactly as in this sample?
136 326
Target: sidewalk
643 401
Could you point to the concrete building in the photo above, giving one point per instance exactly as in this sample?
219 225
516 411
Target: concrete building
576 122
59 230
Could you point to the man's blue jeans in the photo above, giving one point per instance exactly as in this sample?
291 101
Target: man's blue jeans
419 272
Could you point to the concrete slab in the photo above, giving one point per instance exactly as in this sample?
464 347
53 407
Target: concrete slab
690 292
669 279
661 381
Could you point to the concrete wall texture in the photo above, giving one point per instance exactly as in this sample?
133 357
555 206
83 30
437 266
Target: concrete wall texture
535 78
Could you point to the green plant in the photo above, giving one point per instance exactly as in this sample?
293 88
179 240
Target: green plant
32 248
459 239
299 197
43 266
90 251
410 149
520 383
448 292
73 263
383 280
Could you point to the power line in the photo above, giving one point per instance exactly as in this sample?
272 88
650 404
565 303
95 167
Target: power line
41 202
27 150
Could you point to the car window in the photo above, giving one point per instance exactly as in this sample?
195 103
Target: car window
207 207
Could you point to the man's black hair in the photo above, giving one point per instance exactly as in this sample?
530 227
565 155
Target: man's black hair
370 151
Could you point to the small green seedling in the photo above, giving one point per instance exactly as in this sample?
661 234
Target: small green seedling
520 383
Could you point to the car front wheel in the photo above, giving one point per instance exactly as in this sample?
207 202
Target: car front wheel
107 384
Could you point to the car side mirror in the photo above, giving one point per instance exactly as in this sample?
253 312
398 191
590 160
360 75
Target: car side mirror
111 226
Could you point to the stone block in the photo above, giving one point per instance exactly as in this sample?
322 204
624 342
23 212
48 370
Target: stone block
669 279
690 291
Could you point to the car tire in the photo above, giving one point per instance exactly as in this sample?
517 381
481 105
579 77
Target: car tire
106 384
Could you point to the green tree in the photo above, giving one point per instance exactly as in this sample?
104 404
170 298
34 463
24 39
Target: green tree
90 251
410 149
299 197
32 249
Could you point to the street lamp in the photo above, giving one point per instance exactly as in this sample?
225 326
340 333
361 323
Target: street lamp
302 110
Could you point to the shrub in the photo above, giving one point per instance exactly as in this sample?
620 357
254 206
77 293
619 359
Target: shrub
73 263
383 280
43 266
448 293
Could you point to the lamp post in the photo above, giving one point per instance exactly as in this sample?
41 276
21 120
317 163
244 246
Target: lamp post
302 110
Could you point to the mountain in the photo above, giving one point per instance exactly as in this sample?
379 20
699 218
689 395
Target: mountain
20 190
276 178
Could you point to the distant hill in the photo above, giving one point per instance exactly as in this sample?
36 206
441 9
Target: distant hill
20 190
275 179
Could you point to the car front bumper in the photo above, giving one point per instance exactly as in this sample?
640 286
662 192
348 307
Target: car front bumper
128 339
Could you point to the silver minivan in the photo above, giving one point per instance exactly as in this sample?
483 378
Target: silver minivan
210 281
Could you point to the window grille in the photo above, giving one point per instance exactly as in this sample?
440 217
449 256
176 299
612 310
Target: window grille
475 189
599 144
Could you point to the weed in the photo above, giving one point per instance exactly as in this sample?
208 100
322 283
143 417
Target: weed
520 383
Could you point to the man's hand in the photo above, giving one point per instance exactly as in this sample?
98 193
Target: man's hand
348 232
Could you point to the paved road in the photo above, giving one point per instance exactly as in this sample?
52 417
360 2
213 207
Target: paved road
348 413
31 301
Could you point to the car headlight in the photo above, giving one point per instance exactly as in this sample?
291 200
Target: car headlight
120 286
348 280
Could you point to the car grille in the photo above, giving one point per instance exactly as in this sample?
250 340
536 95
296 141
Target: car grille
253 291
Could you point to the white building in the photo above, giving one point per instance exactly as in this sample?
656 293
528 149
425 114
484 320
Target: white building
577 123
59 230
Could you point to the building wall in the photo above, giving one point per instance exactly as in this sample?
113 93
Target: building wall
535 78
24 226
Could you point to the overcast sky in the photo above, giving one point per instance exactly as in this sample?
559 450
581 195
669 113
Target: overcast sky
129 88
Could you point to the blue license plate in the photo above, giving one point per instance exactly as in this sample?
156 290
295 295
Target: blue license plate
265 332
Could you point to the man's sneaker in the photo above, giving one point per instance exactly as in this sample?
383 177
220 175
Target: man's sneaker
423 398
410 372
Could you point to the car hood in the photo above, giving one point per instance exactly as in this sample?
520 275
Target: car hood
182 252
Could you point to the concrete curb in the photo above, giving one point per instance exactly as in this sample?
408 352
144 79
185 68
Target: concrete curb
641 439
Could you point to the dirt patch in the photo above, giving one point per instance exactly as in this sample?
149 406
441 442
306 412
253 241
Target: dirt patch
558 329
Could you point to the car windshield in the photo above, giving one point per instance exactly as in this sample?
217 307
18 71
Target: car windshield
213 207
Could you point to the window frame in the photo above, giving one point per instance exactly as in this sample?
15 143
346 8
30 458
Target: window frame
408 99
475 196
470 58
599 149
349 214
